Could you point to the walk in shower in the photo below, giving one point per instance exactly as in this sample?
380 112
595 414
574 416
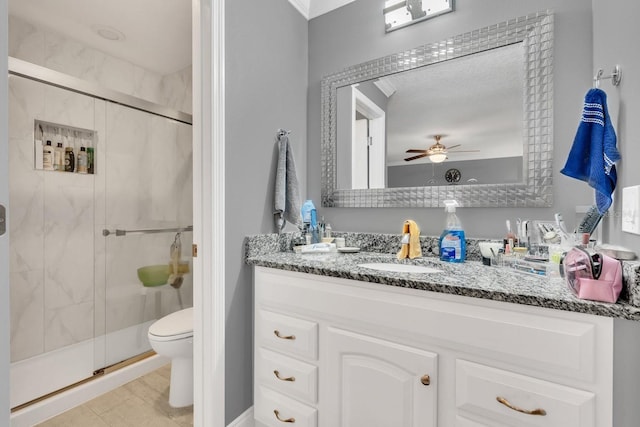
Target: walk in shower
77 240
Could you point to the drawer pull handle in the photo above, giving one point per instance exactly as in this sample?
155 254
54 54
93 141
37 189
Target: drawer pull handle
506 403
283 420
284 337
277 374
425 380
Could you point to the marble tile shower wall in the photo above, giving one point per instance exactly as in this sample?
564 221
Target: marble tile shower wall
44 47
63 269
49 308
68 282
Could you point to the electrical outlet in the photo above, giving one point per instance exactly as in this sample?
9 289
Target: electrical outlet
631 209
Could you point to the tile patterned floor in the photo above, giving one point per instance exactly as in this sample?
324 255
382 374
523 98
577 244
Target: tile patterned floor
143 402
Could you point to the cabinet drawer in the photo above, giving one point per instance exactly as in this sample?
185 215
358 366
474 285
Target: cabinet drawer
276 410
288 334
479 389
287 375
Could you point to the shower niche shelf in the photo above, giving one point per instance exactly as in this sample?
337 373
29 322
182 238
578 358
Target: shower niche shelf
63 148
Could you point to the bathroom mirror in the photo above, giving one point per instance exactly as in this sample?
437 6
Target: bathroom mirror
512 59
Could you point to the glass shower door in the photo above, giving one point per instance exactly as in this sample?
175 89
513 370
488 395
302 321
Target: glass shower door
52 237
147 183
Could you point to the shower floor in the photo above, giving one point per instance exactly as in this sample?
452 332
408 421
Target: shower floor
74 363
144 401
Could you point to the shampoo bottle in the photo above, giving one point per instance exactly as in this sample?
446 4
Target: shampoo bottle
69 160
58 157
47 156
82 160
90 160
453 245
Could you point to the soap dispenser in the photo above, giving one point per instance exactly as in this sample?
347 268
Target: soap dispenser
453 244
305 211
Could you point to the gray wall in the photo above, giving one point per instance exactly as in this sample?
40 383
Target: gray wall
487 171
355 33
266 89
615 35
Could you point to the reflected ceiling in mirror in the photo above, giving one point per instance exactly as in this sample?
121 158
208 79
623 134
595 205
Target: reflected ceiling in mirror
475 103
508 65
473 106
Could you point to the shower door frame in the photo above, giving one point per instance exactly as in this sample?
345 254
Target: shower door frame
4 200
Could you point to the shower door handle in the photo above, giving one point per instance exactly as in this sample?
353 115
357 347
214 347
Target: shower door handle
3 220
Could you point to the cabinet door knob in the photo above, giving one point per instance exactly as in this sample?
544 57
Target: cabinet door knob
506 403
277 374
425 379
283 420
284 337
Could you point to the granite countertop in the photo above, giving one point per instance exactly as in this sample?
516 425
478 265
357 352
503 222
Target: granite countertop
470 279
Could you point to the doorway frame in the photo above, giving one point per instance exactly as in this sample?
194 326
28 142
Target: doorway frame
208 40
376 156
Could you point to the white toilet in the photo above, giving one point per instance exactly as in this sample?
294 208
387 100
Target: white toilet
172 337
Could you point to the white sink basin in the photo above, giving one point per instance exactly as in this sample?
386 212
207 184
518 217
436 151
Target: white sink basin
400 268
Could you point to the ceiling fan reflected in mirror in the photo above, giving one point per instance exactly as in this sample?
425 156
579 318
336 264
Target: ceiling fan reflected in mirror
437 153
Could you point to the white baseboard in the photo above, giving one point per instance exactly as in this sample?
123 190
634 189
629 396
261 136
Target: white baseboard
244 420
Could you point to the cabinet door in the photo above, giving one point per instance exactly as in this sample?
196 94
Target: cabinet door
377 383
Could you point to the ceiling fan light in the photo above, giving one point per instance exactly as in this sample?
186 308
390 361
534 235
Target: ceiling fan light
438 158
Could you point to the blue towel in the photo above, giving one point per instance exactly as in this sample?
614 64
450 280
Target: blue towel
593 155
287 191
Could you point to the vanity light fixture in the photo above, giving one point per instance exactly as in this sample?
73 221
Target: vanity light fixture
400 13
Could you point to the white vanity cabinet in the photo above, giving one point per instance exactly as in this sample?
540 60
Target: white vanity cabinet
371 355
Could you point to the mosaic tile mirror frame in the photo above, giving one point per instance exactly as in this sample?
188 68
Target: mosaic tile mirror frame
535 31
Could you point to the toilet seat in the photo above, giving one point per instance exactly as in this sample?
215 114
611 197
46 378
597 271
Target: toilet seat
174 326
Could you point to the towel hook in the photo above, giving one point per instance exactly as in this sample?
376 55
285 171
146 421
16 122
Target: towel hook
283 132
616 76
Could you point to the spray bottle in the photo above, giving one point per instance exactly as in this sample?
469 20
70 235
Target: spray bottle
453 245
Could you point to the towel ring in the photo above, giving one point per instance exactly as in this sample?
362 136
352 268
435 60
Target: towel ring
616 76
